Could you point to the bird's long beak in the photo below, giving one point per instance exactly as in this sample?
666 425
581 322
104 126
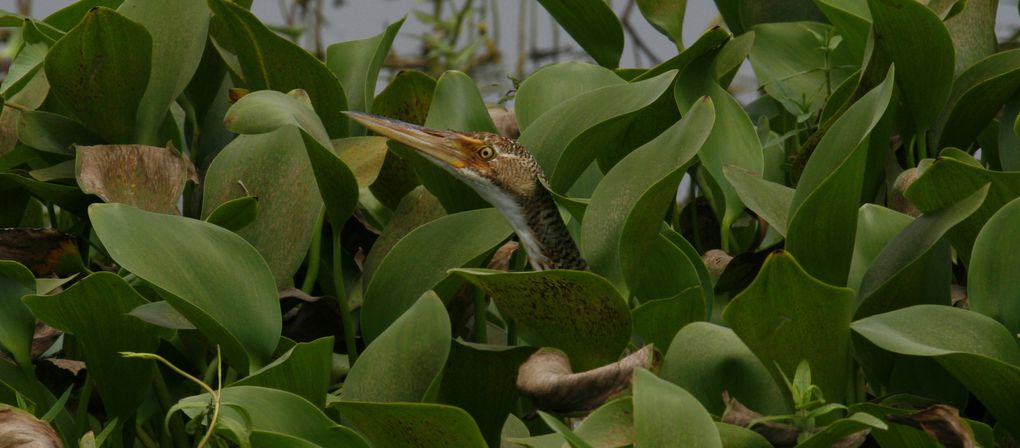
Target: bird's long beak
444 147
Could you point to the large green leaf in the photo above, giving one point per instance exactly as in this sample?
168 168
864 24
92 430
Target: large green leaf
707 359
209 274
834 432
785 307
304 370
99 70
947 181
976 349
266 111
408 97
402 275
577 312
876 226
553 84
255 53
972 29
992 286
634 196
273 167
823 216
769 200
612 424
918 43
96 310
667 415
852 19
977 96
404 360
567 138
54 133
399 425
357 64
480 379
26 66
16 322
265 410
658 321
417 208
593 25
176 52
913 269
667 16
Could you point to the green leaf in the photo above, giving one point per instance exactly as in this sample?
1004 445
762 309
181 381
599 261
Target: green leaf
176 52
145 177
977 96
401 277
666 16
364 156
555 83
266 111
69 16
398 425
67 197
162 314
235 214
912 269
992 288
947 181
769 200
823 216
783 309
206 272
658 321
337 185
853 20
707 359
919 45
53 133
357 64
480 379
402 362
17 324
408 97
417 208
26 64
274 168
876 227
612 424
667 415
734 436
95 311
577 312
632 200
767 11
562 139
708 44
275 411
255 53
972 28
834 432
593 25
304 370
560 428
99 70
788 64
976 349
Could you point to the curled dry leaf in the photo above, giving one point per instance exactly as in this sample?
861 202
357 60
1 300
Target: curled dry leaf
896 199
736 413
71 365
44 251
941 422
43 339
505 121
146 177
501 259
716 261
19 429
958 296
547 378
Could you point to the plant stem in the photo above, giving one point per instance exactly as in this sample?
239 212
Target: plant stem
481 321
341 298
177 433
695 232
314 253
909 153
144 437
81 415
922 145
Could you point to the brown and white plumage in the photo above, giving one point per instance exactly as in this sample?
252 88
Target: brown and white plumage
501 171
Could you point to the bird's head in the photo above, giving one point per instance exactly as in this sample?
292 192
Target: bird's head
498 167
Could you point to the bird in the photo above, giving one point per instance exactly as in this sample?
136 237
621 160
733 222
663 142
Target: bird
503 173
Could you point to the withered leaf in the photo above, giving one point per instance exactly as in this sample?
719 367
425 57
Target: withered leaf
44 251
941 422
20 429
548 379
146 177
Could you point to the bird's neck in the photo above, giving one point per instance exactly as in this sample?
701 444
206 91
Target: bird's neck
543 233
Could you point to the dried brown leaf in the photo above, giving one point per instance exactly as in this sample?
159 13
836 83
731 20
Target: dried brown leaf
896 199
776 433
716 261
19 429
43 339
146 177
548 379
941 422
71 365
501 259
44 251
505 121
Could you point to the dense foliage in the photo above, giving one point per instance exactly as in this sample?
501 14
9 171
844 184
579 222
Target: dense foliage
201 248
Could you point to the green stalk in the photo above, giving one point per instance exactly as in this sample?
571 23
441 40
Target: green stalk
177 432
724 232
911 162
922 145
81 415
341 298
481 321
144 437
314 253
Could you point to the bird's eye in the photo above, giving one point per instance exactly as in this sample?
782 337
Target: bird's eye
486 152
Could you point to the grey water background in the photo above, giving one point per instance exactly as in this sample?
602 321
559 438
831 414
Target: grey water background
358 19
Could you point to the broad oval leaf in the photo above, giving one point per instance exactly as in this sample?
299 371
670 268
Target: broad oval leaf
404 360
100 70
784 307
402 276
208 273
16 322
553 84
577 312
412 424
976 349
235 214
356 63
593 25
265 111
876 226
977 96
96 310
992 284
667 16
304 370
769 200
667 415
658 321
